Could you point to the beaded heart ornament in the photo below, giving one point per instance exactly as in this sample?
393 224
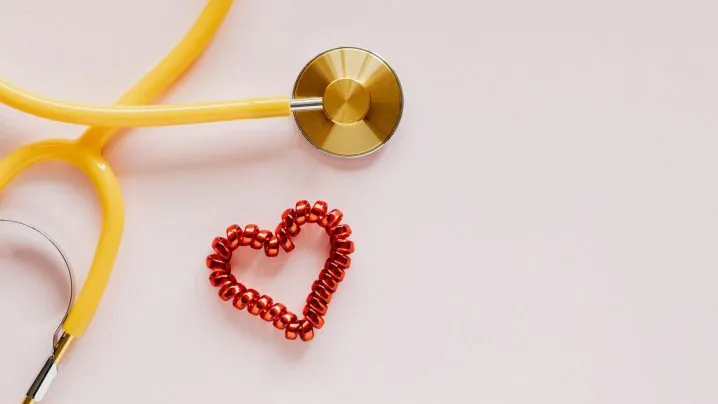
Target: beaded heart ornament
264 306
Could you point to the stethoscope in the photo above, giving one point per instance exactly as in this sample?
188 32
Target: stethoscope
347 102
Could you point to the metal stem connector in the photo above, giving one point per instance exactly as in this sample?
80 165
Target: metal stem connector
47 374
42 382
306 104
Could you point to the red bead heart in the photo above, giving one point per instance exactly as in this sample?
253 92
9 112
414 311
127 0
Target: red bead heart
264 306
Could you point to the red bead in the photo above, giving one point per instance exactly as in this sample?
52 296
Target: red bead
216 263
316 304
250 231
219 279
306 330
334 270
284 240
230 290
342 261
262 304
252 308
274 312
301 212
340 232
284 320
332 219
246 298
271 247
289 222
292 331
260 239
314 318
234 234
321 292
318 211
345 247
221 246
328 282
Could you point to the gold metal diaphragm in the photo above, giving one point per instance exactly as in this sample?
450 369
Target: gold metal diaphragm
362 102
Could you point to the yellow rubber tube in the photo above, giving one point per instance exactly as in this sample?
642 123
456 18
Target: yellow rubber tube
85 153
141 116
99 172
132 113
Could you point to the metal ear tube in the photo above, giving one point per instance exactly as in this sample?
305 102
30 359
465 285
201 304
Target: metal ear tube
60 340
43 381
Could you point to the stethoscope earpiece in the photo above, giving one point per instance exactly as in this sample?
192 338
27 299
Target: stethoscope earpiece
360 99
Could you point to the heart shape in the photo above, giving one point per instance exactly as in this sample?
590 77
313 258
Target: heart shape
264 306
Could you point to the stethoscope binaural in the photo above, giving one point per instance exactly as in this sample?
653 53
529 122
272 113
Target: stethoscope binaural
347 102
60 341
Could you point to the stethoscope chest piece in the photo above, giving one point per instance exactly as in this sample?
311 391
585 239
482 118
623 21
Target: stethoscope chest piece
362 102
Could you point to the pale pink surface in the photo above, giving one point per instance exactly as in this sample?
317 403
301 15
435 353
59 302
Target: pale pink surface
542 228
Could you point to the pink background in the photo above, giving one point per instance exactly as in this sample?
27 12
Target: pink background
542 227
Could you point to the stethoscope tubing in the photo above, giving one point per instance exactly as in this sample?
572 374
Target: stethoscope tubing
86 154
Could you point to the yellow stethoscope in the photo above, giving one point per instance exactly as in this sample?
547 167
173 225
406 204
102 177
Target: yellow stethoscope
347 102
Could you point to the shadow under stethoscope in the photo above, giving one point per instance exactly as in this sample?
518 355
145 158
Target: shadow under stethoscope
223 150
